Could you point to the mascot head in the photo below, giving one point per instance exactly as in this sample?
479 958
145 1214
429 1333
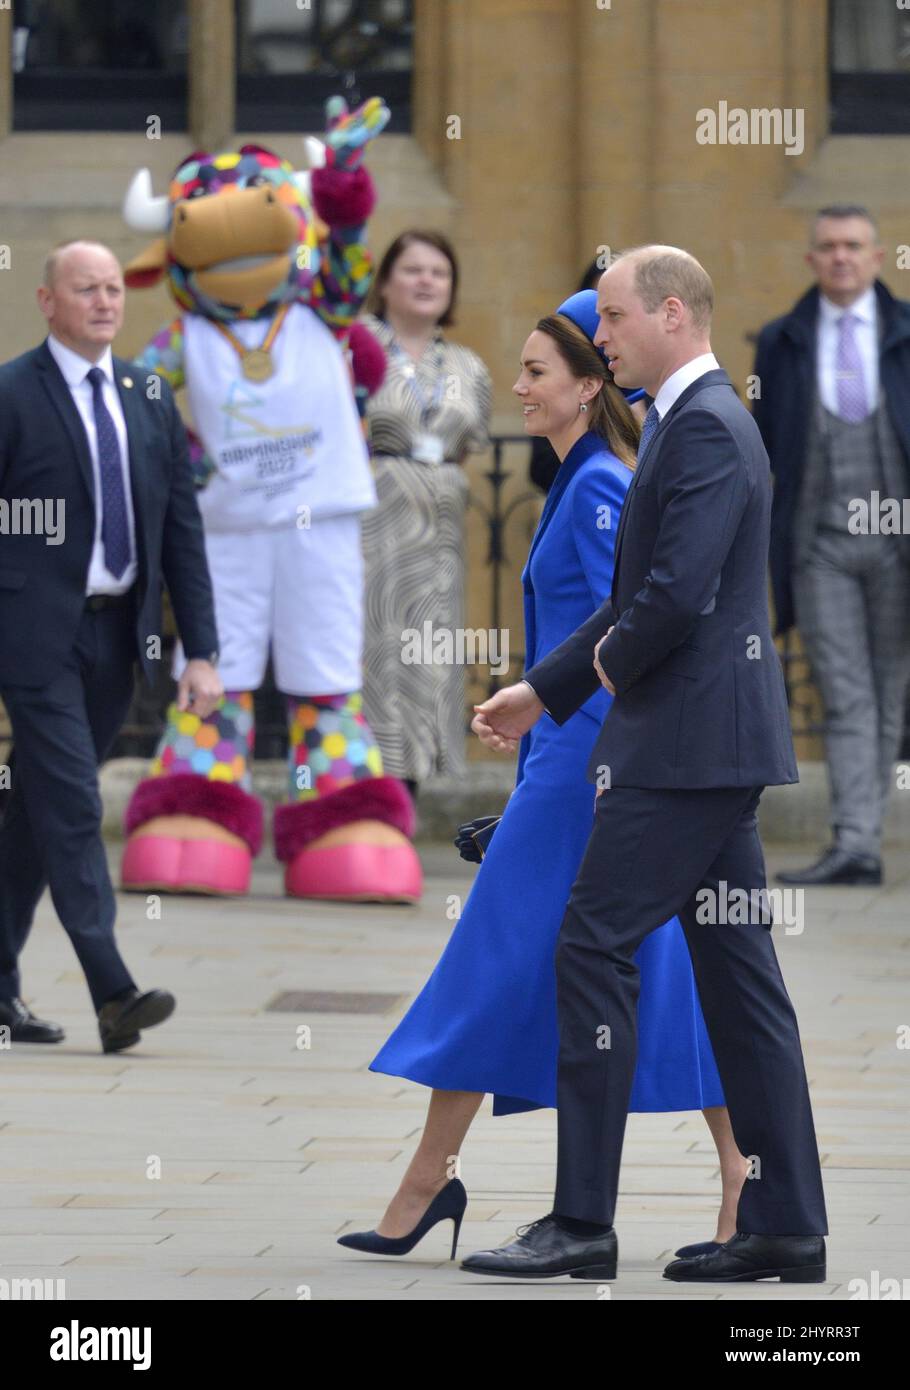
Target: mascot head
239 235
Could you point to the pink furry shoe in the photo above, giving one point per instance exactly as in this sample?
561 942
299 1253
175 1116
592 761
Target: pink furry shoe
352 845
356 873
170 864
189 835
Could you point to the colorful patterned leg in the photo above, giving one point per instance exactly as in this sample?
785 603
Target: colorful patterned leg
219 747
193 824
345 832
330 745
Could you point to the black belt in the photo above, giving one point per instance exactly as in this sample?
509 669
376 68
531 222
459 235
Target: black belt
95 602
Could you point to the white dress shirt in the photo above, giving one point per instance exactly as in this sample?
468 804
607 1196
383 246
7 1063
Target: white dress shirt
75 370
674 385
865 333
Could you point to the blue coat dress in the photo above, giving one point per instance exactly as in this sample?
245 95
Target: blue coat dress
486 1018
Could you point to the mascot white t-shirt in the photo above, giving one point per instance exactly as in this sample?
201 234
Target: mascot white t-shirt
277 449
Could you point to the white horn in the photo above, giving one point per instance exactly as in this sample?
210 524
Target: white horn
315 152
141 210
303 180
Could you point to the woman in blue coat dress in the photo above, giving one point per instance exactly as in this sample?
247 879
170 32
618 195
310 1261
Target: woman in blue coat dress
485 1021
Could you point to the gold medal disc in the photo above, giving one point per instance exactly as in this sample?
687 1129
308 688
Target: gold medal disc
257 365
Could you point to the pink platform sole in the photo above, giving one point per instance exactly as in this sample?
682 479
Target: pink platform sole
356 873
172 865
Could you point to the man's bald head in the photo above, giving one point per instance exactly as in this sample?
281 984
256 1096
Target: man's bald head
65 251
82 296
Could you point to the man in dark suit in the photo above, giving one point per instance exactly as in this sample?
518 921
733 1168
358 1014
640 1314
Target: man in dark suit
834 412
697 728
97 509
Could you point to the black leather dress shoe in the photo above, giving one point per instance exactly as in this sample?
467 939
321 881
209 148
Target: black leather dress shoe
792 1259
701 1247
543 1250
120 1020
837 866
25 1027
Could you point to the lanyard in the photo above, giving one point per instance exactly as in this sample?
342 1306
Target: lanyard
409 372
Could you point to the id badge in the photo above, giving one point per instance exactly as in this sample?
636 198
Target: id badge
428 448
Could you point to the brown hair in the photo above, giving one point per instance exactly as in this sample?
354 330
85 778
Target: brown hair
608 414
375 303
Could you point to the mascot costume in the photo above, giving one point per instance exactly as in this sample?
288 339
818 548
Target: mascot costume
268 269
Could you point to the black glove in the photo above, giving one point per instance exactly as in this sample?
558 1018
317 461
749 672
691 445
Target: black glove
464 841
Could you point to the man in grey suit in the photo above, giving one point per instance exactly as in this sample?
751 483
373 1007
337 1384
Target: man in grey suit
834 413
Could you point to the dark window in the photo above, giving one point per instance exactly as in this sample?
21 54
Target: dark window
99 64
870 67
290 58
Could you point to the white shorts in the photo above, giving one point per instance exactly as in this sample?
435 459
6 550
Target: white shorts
298 592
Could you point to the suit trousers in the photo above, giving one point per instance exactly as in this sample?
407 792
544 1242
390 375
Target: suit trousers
852 601
51 829
650 855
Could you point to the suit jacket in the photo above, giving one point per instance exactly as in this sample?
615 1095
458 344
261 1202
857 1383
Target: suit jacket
44 454
700 698
785 364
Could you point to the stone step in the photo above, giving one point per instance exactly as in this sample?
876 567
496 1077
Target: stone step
788 814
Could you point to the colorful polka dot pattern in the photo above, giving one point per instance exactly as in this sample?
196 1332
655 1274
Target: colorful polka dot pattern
330 274
330 745
163 355
219 747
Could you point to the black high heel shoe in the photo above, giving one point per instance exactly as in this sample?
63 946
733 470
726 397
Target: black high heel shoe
448 1204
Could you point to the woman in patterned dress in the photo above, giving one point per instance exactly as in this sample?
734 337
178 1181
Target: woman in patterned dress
431 411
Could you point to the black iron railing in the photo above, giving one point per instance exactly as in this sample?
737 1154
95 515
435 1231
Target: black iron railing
497 512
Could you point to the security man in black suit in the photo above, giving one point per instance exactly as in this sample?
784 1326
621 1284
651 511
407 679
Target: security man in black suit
97 511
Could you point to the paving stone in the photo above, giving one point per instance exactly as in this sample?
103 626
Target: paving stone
268 1150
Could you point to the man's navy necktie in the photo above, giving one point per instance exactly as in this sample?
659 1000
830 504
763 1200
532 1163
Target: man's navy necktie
115 537
652 420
